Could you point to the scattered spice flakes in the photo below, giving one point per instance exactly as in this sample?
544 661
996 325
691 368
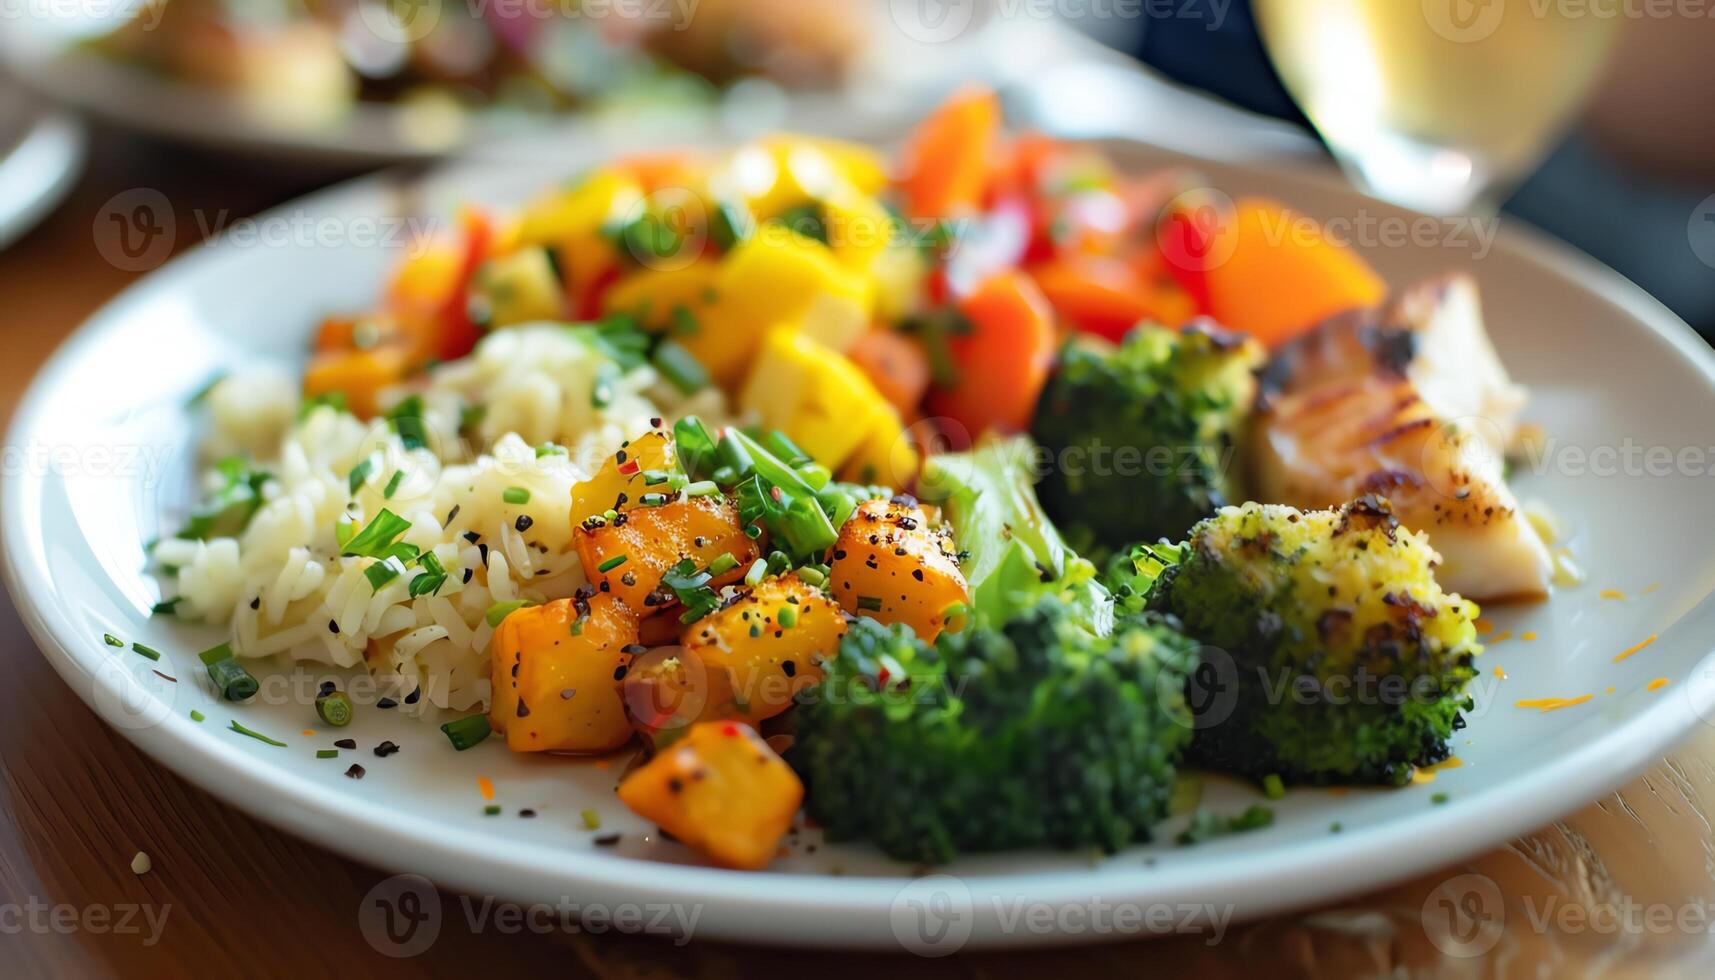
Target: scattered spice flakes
1650 588
1500 673
605 840
308 733
1627 652
527 813
1612 594
165 677
142 864
1501 637
1546 705
1484 626
386 749
345 743
485 786
356 771
1657 684
1527 636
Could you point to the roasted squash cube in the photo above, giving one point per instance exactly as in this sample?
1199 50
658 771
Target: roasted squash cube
722 791
626 557
621 480
770 643
891 565
557 675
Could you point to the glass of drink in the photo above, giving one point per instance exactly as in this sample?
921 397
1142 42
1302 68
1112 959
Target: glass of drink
1438 105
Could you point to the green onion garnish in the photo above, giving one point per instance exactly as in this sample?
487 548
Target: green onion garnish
407 419
466 732
1273 787
380 573
812 576
702 488
681 367
611 563
550 449
232 681
591 819
111 640
258 736
491 810
501 610
327 753
516 495
787 617
393 482
656 477
377 536
723 563
434 573
145 651
359 474
197 715
166 606
754 574
334 708
869 603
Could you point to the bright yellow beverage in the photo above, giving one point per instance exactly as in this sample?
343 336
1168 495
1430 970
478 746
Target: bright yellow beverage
1421 92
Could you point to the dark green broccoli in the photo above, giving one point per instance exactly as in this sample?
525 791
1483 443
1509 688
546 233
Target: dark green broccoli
1332 655
1036 733
1142 439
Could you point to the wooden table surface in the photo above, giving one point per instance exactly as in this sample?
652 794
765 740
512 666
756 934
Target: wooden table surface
233 896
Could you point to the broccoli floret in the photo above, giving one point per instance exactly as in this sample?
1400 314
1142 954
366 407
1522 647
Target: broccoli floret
1332 655
1036 733
1142 439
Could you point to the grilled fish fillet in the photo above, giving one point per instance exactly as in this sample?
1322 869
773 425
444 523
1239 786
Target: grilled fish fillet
1411 402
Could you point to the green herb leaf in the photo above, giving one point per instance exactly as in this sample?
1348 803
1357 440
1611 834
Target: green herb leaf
377 537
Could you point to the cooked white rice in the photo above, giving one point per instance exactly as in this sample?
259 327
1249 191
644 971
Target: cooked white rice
283 587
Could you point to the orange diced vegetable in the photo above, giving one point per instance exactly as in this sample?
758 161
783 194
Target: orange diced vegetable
721 791
621 480
770 644
557 670
893 567
627 556
945 169
1105 296
358 375
1002 363
896 365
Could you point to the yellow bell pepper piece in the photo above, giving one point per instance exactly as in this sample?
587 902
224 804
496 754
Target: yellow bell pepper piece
778 277
651 296
813 394
521 288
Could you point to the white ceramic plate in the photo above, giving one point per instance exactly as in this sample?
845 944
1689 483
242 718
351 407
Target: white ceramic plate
101 455
41 155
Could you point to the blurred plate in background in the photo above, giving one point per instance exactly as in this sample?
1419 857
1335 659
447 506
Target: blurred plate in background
41 154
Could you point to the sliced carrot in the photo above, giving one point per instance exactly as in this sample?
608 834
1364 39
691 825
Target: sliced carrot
1279 274
1003 361
896 364
945 169
359 375
1105 296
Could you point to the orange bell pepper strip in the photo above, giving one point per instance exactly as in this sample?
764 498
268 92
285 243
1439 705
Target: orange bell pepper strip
1107 297
1272 273
1002 362
459 334
945 168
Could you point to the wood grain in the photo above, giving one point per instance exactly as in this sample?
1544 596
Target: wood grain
240 898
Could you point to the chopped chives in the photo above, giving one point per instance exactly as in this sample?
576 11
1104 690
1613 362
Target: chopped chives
501 610
197 715
466 732
656 477
1272 787
869 602
491 810
215 654
408 421
812 576
754 574
611 563
166 606
1439 798
327 753
787 617
111 640
146 651
334 708
678 365
550 449
591 819
723 563
377 537
702 488
380 573
258 736
393 482
359 474
516 495
232 681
